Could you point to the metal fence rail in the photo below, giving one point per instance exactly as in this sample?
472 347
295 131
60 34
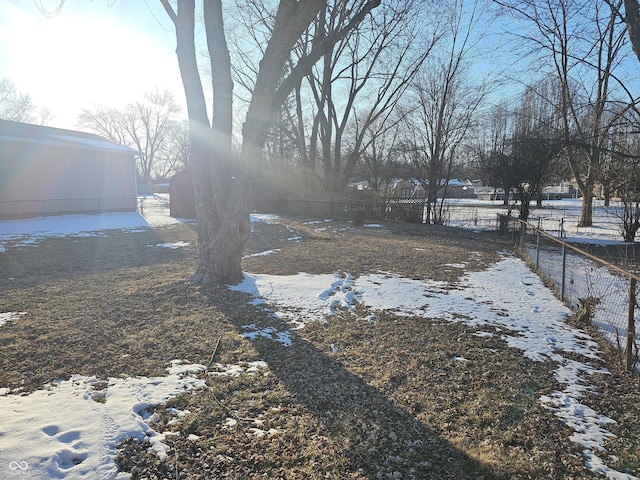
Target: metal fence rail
602 293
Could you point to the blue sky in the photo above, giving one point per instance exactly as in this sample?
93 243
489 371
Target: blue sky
92 52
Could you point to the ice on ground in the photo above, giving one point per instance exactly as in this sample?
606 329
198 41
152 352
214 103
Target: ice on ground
312 297
262 254
253 332
234 370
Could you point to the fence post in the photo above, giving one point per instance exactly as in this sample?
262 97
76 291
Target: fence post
503 223
538 244
523 232
564 270
631 328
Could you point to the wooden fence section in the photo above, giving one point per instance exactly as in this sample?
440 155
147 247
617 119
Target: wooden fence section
344 205
605 294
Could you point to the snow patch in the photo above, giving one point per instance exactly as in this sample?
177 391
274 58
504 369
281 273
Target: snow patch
71 428
7 317
526 313
173 246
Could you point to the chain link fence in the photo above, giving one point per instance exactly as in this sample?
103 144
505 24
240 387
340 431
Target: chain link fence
601 293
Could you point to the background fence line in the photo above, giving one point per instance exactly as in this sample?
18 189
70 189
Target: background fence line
345 205
602 293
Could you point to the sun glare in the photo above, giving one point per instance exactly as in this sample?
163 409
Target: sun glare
73 61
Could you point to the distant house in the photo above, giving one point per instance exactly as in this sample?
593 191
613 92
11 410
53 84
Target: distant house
461 188
51 171
403 188
414 189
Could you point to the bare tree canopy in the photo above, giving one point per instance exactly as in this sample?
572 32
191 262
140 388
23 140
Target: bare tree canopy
446 100
144 125
356 87
17 106
582 43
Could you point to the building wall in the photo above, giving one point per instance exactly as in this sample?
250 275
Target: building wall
45 180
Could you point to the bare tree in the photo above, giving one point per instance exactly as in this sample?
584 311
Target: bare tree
356 85
628 191
522 163
447 101
380 162
492 165
533 157
223 205
526 154
582 40
106 121
173 155
623 169
143 125
17 106
147 123
496 169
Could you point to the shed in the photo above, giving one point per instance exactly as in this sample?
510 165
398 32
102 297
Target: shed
182 197
53 171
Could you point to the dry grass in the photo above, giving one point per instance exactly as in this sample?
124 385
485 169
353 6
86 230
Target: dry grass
390 403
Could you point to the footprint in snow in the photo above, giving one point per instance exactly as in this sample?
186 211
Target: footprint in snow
50 430
64 437
66 458
68 437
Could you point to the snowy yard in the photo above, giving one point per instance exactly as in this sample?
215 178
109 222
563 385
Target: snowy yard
70 428
559 217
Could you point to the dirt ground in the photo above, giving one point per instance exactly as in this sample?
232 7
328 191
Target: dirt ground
392 404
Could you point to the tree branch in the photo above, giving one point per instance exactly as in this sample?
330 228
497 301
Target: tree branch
169 9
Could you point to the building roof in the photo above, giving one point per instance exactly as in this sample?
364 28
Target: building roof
16 132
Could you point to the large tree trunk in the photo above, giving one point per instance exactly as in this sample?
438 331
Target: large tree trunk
222 206
223 220
586 184
222 230
199 130
632 18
